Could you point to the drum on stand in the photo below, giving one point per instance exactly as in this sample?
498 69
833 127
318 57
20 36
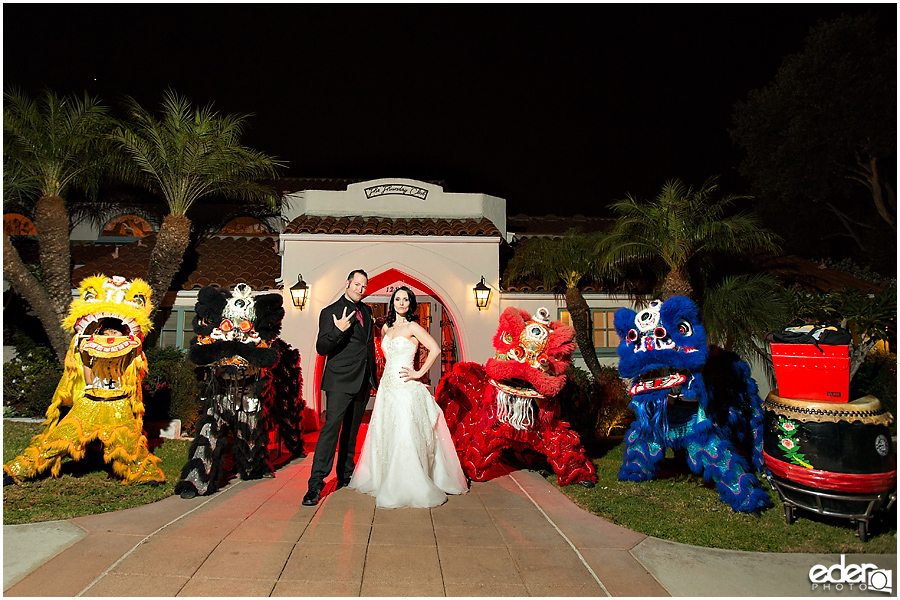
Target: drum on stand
832 458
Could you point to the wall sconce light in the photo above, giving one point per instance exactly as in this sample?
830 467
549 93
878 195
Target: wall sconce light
299 293
482 295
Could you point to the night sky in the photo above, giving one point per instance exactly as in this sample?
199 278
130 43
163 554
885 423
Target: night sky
557 109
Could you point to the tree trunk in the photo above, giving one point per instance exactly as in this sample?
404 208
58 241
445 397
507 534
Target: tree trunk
27 286
580 314
51 219
676 284
165 259
874 184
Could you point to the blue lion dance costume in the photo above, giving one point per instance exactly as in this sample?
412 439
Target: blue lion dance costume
688 396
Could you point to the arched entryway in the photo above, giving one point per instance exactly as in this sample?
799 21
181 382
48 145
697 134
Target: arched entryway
441 323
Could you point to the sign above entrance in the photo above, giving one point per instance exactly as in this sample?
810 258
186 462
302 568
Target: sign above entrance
396 189
390 289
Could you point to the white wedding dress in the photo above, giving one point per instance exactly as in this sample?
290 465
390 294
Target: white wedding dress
408 458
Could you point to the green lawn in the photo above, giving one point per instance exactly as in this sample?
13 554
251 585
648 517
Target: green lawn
678 506
85 488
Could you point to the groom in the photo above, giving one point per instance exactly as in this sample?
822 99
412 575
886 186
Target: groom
347 339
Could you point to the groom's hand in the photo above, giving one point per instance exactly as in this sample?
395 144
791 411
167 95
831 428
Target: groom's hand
344 322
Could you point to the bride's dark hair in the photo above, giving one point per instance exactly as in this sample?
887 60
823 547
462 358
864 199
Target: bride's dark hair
410 314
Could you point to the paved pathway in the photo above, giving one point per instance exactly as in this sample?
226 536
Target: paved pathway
515 535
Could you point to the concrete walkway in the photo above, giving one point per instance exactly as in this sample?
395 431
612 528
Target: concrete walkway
515 535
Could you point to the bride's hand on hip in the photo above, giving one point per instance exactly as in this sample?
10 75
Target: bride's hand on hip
407 374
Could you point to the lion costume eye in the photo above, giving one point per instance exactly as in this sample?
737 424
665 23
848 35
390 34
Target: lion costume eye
684 328
507 337
89 294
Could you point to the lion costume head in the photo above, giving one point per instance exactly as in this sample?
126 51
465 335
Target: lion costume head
530 364
532 353
103 304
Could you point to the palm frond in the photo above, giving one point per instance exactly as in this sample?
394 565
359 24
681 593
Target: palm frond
191 153
740 310
56 142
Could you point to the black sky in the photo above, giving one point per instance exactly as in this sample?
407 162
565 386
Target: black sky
558 109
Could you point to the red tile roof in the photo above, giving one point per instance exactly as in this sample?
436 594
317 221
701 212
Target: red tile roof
813 276
227 260
216 260
790 270
390 226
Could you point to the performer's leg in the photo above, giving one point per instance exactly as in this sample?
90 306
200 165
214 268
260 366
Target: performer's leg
347 441
563 448
323 458
718 463
201 473
642 457
482 451
130 458
47 450
251 450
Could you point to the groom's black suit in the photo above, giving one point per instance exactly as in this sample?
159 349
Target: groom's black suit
348 377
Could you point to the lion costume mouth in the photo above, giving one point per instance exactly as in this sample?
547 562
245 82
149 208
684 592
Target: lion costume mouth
659 379
104 346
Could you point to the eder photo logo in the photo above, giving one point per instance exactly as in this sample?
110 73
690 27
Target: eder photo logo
859 577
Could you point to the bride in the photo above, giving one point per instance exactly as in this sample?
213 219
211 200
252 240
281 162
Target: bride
408 458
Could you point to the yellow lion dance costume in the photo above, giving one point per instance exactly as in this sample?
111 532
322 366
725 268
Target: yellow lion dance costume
102 385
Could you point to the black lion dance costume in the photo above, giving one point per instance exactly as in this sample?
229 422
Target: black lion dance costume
250 383
688 396
100 386
511 401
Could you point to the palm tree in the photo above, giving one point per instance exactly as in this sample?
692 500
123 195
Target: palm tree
739 309
50 145
571 259
689 236
679 228
186 155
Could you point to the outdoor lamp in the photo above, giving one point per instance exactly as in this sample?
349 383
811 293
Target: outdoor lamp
482 295
299 292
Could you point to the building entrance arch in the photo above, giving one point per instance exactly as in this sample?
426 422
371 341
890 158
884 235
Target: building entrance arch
444 324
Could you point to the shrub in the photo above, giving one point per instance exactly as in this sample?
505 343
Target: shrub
877 376
29 379
595 408
170 388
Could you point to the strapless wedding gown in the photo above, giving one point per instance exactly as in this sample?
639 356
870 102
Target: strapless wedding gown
408 458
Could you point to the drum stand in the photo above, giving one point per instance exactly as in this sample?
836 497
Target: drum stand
859 508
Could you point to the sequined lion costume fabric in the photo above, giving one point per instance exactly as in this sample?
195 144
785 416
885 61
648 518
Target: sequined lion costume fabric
688 396
101 386
511 401
250 384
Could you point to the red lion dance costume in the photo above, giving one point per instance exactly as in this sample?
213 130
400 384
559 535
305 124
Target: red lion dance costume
511 401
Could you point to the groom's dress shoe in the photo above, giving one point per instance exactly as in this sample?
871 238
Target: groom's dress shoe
311 498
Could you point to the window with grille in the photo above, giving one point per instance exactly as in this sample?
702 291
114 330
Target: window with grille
178 329
602 327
